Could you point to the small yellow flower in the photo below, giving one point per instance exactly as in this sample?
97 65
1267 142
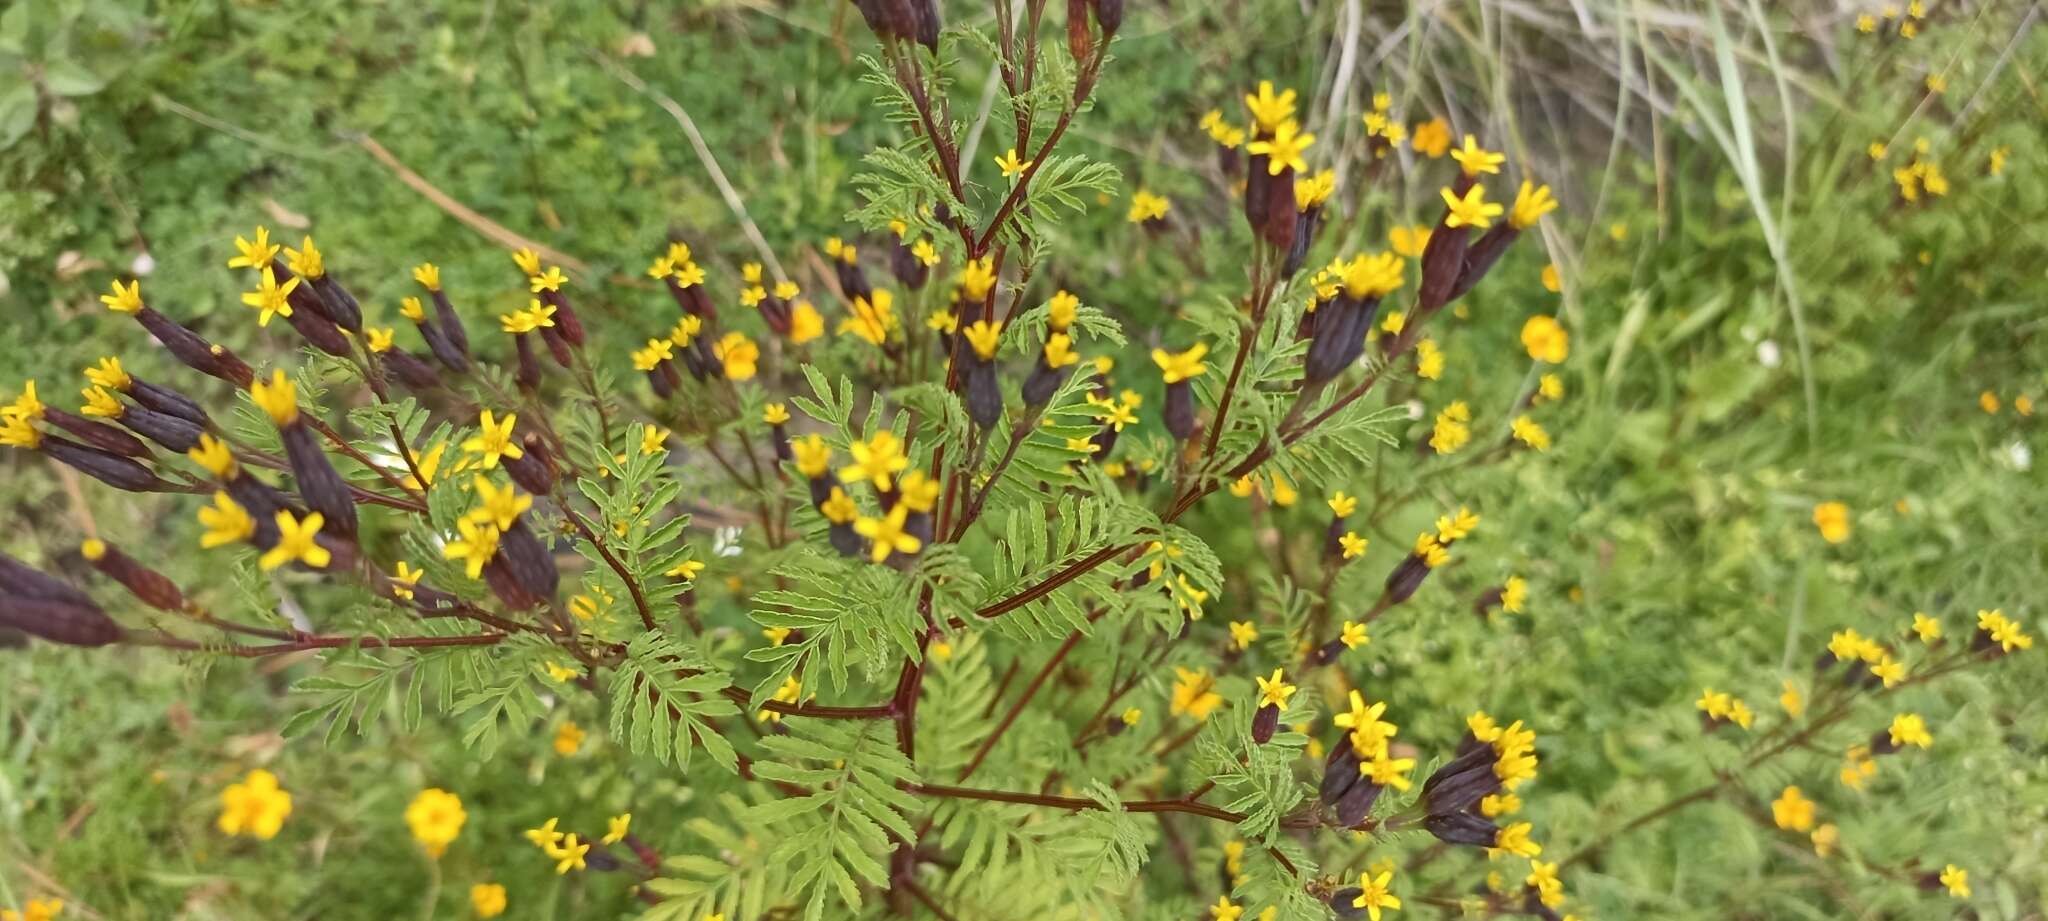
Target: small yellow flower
254 255
653 439
1374 893
1825 838
1274 692
1181 366
875 461
1225 910
256 807
296 542
1432 138
1283 149
1353 546
1194 693
1956 880
1529 432
1793 702
1011 165
226 522
568 738
739 355
270 299
1832 518
886 535
488 899
494 440
1146 206
1353 635
1909 729
1475 160
435 817
428 275
616 828
1792 811
1470 209
570 856
404 579
124 300
1545 339
1268 110
1242 633
1513 594
1409 242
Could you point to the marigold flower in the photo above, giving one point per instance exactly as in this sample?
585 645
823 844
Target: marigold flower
270 299
1515 840
256 807
1956 880
435 817
1409 241
570 856
568 738
226 522
1274 692
1242 633
1268 110
1225 910
1374 893
1825 838
1529 432
739 355
493 440
1470 209
1909 729
1832 518
887 535
876 461
1283 148
1352 545
1146 206
1513 594
475 548
1429 360
1474 159
616 828
1194 693
487 899
1545 339
1792 811
1181 366
1012 165
1432 138
254 255
124 300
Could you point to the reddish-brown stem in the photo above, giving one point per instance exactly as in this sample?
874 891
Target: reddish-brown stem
325 642
1030 690
1074 802
632 584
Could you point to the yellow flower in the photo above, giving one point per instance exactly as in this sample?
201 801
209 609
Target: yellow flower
1471 209
101 404
1495 805
1792 811
494 440
1429 360
1889 670
256 255
1225 910
1474 159
1937 83
1146 206
428 275
871 319
1528 432
1342 505
813 456
1431 551
1956 880
1832 518
1450 432
1514 839
1181 366
1059 351
1910 729
305 261
270 299
1353 635
381 338
568 738
919 492
653 439
887 534
1275 691
1352 545
435 817
1242 633
296 542
1532 202
27 406
124 300
1793 702
488 899
777 635
1369 734
1011 165
1313 191
1131 716
545 837
739 355
497 507
1432 138
983 336
1283 148
1514 594
774 414
977 278
1194 693
875 461
838 507
1545 339
34 910
226 522
805 323
1825 838
550 280
256 807
1549 387
1374 894
1268 110
616 828
686 570
570 856
404 579
278 398
1409 242
1376 275
107 373
475 548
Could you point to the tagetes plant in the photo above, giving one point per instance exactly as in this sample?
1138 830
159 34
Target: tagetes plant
942 481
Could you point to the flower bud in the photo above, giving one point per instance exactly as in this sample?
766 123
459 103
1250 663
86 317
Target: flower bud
341 305
528 560
409 369
1265 723
20 580
1443 261
450 326
1462 828
111 469
507 586
1109 14
168 401
316 328
193 351
66 622
1480 257
534 470
97 434
1356 804
177 434
984 393
528 374
1405 579
558 346
323 488
152 587
1180 410
566 320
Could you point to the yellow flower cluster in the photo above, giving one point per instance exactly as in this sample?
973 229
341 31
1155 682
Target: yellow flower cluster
1720 706
435 817
256 807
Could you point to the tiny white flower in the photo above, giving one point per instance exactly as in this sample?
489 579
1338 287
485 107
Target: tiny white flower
1768 354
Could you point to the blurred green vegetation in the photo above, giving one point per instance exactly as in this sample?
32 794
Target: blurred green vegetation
1759 325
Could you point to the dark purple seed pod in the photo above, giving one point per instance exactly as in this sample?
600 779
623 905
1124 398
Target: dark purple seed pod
1467 758
317 480
1305 225
713 366
111 469
1405 579
778 436
677 294
984 394
454 359
262 500
558 347
901 16
1356 803
1340 771
1256 200
1180 410
409 369
1104 441
523 554
846 541
1044 381
919 525
66 622
1280 211
1265 723
302 297
528 374
341 305
1480 257
1332 350
320 332
1327 653
1462 828
566 319
853 281
669 374
700 303
185 345
98 434
928 27
178 434
775 312
821 490
151 587
20 580
1109 14
1443 260
531 473
1341 903
905 266
167 401
450 323
1461 791
507 586
871 12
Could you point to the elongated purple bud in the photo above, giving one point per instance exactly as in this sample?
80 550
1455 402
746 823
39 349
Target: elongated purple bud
178 434
152 587
984 393
98 434
168 401
566 319
528 560
194 351
557 346
341 305
507 586
323 488
1480 257
1443 260
1180 410
1462 828
444 349
111 469
409 369
527 376
65 622
451 324
317 329
19 579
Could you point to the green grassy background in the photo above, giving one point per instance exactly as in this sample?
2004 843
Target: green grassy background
1720 210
